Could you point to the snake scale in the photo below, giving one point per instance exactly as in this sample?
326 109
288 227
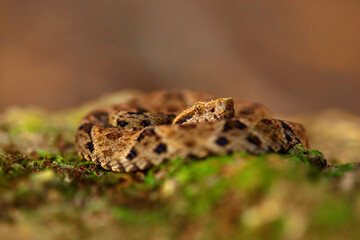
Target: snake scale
159 126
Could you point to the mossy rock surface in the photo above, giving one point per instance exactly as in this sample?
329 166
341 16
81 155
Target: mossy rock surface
47 192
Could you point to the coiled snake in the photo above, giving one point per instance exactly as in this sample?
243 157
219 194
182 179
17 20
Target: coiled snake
160 126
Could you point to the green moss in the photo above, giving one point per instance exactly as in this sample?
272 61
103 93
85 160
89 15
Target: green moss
309 157
256 175
44 153
340 169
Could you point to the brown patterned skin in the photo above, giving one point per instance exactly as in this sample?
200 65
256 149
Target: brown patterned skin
164 125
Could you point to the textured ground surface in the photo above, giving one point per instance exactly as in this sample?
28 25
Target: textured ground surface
47 192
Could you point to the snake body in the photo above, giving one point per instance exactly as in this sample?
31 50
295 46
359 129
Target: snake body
157 127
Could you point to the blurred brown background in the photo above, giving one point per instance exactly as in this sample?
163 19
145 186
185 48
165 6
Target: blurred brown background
294 56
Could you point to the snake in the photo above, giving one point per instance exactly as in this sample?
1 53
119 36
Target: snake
157 127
